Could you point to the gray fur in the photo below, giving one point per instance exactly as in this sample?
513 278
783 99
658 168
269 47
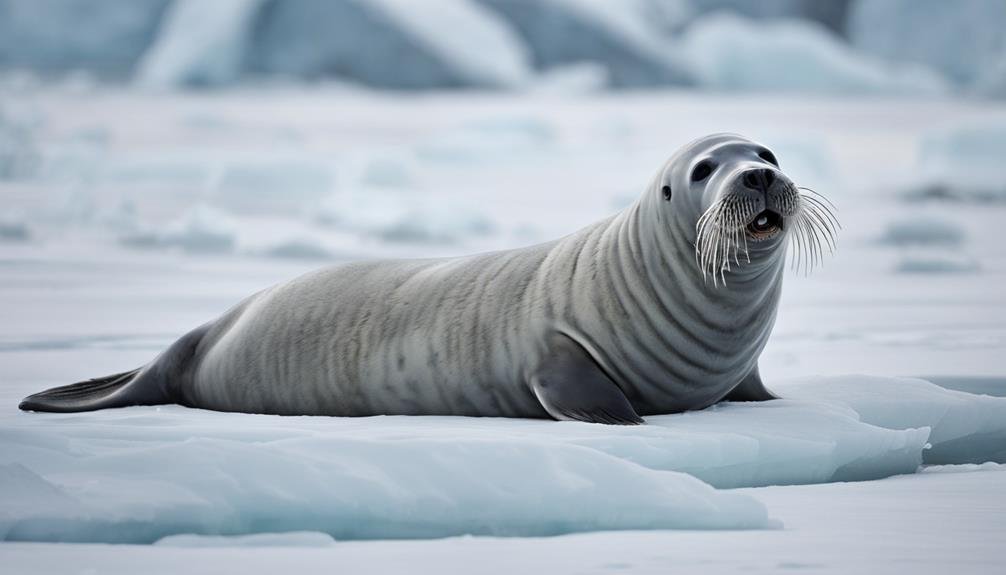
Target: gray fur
614 321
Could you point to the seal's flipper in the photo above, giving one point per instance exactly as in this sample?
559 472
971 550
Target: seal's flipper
99 393
153 384
750 388
570 386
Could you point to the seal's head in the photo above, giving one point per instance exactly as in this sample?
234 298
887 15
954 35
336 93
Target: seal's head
730 199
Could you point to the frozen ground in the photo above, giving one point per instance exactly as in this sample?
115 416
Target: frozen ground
129 218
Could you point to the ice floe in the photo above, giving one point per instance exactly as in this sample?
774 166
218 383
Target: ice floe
140 474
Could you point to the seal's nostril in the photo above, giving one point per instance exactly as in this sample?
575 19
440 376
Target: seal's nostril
760 180
769 177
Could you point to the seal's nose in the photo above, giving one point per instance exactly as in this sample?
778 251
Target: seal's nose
758 179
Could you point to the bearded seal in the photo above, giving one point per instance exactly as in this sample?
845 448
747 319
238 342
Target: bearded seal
662 308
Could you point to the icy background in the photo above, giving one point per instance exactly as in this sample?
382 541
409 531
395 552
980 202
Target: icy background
160 160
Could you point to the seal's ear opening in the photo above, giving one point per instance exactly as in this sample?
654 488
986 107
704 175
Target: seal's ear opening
667 193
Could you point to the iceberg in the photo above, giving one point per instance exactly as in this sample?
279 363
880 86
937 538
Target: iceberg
199 44
963 40
559 33
53 36
733 53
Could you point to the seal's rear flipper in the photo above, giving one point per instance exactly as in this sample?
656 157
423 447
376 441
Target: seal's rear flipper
98 393
153 384
571 386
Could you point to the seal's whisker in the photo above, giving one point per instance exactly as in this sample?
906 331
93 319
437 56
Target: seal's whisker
811 233
819 195
826 218
822 228
801 253
827 209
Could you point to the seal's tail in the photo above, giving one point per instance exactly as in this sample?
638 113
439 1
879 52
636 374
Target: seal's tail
99 393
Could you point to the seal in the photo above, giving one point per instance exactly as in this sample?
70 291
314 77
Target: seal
662 308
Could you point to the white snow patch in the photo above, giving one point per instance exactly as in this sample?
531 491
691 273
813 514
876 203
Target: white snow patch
732 53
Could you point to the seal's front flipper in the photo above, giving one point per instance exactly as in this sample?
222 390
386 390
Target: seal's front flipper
571 386
750 388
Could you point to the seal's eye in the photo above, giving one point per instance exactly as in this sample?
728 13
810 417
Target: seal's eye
768 157
702 171
667 193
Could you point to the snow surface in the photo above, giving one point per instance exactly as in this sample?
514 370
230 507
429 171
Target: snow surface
477 172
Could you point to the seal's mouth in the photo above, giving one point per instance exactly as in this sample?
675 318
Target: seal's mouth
765 225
